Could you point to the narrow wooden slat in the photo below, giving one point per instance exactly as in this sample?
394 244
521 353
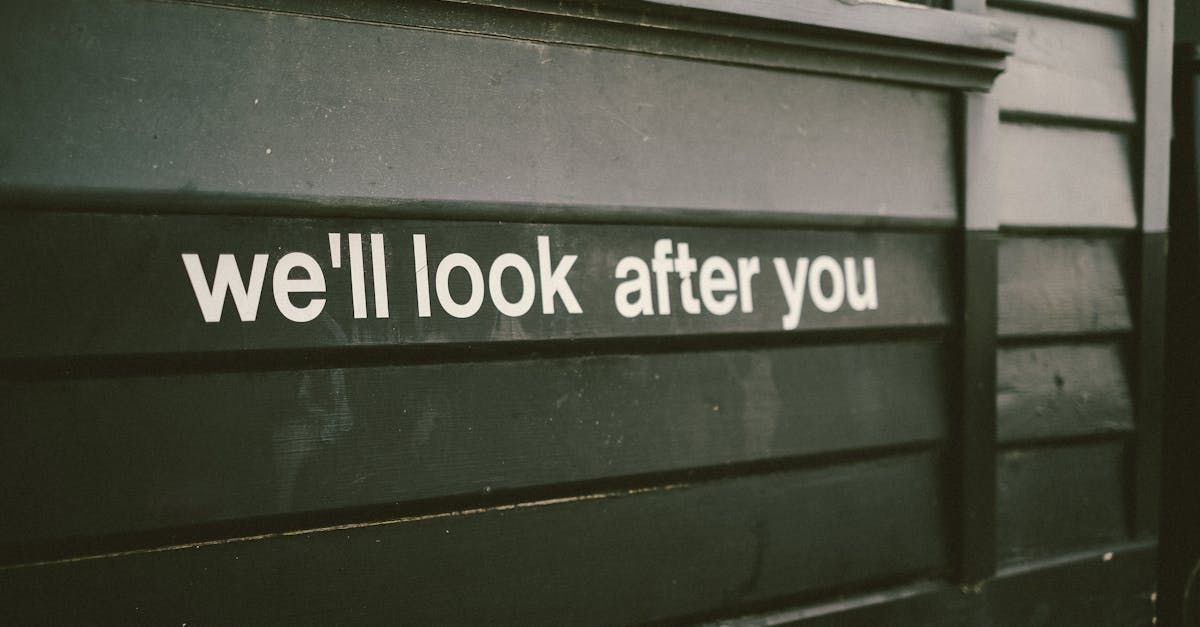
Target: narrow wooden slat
1067 68
1113 590
1123 10
1056 391
891 20
602 559
128 273
1056 500
1058 176
1111 584
146 452
1055 285
159 97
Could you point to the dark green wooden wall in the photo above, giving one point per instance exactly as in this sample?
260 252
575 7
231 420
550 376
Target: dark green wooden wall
1074 276
979 449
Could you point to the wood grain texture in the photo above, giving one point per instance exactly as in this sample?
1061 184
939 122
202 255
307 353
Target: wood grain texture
160 97
143 450
1067 68
1056 285
601 559
128 273
1057 500
1062 390
1061 177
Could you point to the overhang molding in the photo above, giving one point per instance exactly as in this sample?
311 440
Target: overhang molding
871 39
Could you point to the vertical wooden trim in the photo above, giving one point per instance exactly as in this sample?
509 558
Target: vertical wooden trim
976 440
981 122
977 432
1179 539
1150 370
1156 114
1151 274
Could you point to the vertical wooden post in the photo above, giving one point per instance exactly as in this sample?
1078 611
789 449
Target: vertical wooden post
1152 263
977 432
976 441
1179 538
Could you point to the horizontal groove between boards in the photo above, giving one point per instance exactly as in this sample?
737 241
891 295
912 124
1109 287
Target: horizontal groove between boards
786 611
1042 7
1021 116
1063 441
1066 231
1034 340
73 549
1102 553
816 603
122 202
881 595
1027 339
274 360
